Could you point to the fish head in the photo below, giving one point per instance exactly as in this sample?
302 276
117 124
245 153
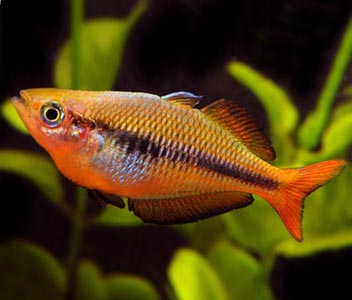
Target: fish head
55 118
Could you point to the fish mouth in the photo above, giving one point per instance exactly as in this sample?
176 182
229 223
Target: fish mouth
20 101
17 100
21 104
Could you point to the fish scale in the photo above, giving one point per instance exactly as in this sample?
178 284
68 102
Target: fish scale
176 131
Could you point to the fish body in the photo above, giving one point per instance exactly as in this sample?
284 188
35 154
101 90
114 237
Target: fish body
176 164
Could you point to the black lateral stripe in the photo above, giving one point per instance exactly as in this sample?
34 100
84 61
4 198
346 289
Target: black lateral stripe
205 161
145 145
153 149
122 139
183 156
132 143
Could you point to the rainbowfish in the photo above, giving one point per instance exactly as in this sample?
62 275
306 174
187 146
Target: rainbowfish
174 163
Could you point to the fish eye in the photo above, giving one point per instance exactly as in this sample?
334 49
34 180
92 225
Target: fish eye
52 113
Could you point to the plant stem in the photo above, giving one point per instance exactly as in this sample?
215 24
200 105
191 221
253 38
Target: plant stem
337 71
76 235
81 197
76 29
313 127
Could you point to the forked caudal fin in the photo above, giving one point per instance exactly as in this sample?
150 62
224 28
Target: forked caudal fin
296 185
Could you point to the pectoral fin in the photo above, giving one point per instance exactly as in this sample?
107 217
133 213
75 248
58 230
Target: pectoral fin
188 209
103 199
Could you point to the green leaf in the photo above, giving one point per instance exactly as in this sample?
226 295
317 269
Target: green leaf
314 245
202 235
348 92
341 111
36 168
90 283
310 132
282 114
102 46
10 114
192 277
240 272
252 227
114 216
30 273
130 287
337 138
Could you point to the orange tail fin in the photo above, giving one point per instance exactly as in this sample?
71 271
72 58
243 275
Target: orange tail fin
296 185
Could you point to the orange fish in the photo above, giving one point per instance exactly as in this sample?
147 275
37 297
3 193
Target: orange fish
175 164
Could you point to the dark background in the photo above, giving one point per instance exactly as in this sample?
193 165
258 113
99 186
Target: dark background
176 45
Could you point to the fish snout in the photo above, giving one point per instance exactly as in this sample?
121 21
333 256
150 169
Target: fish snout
20 100
21 103
16 100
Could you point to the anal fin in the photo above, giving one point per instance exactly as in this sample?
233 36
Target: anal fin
189 208
103 199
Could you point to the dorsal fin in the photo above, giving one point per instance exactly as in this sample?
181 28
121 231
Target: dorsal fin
183 98
242 125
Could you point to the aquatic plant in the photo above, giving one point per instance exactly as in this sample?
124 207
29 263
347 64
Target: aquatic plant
227 255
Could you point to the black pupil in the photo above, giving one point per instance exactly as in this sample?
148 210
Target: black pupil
52 114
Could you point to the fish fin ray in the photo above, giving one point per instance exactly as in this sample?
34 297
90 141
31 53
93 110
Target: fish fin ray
289 199
183 98
242 125
189 208
102 198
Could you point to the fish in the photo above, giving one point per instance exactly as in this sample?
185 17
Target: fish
174 163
